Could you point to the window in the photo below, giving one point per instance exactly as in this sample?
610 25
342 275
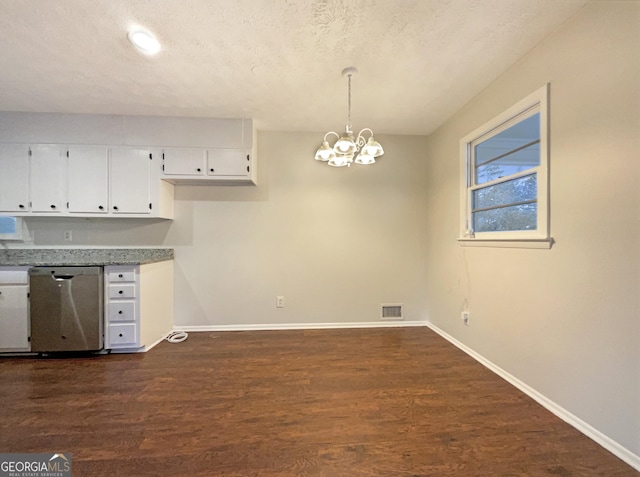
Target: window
504 178
10 228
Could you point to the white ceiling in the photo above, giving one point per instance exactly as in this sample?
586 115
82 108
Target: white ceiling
276 61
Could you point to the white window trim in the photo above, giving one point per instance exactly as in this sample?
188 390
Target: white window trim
539 238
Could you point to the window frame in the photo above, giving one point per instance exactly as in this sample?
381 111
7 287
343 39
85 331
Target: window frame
536 102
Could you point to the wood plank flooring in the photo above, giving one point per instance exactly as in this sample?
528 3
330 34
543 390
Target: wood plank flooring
356 402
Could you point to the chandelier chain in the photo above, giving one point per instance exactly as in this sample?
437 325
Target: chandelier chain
349 115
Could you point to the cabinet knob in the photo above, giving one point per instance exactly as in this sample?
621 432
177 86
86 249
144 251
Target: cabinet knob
120 292
119 275
120 312
212 170
120 335
115 207
21 206
53 206
198 169
100 207
63 337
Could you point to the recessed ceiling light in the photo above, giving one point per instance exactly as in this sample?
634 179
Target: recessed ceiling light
144 41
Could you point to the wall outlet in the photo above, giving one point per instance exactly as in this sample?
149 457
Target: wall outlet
279 302
465 317
68 236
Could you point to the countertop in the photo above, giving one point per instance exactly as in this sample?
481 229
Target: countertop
83 256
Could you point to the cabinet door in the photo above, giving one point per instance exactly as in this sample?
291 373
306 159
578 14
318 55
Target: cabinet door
129 181
48 174
227 162
183 161
14 178
14 318
87 173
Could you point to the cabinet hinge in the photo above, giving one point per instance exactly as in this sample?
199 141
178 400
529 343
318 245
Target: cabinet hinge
150 206
67 205
162 167
28 295
248 157
29 339
29 152
150 156
67 153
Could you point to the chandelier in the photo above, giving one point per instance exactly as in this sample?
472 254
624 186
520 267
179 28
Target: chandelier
346 149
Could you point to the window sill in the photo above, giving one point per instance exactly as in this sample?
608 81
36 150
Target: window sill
507 243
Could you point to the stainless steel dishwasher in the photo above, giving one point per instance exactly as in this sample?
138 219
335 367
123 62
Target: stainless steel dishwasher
66 308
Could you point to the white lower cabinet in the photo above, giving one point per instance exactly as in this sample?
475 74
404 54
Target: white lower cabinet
14 309
139 305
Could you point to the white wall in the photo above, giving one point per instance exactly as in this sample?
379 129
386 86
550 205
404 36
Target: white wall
336 243
565 321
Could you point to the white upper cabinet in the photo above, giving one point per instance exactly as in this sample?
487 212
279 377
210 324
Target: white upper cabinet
183 161
228 162
14 178
88 179
129 181
48 178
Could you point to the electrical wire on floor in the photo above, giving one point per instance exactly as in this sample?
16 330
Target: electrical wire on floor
176 337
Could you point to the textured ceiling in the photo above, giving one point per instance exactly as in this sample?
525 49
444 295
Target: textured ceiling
276 61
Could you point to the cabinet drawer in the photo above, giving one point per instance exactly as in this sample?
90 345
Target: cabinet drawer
14 275
122 311
122 276
122 291
123 335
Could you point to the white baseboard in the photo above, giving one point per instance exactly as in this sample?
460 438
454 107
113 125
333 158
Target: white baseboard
301 326
612 446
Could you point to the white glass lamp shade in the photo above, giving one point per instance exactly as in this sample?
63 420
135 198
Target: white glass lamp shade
345 145
364 159
325 152
373 148
341 160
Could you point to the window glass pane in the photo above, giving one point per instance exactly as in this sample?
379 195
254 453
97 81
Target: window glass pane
505 193
513 150
7 225
518 161
516 217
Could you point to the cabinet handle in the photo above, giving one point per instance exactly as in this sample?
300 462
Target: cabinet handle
115 207
120 275
100 207
53 206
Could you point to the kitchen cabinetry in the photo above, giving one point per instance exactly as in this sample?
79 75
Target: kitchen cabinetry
129 187
139 304
88 179
184 161
82 181
14 309
228 162
208 166
14 177
47 177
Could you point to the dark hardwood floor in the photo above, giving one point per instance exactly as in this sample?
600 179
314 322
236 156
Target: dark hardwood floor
356 402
